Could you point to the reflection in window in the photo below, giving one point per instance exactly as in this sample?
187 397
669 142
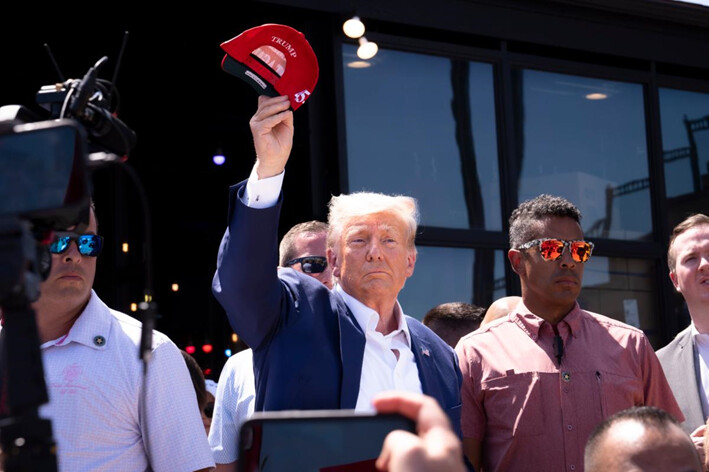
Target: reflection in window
625 290
584 139
447 275
424 126
684 117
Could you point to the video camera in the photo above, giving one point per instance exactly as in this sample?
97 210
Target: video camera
44 161
45 186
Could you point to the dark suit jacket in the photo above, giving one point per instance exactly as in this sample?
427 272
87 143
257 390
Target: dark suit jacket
307 345
678 362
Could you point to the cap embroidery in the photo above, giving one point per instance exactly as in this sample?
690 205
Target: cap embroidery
301 96
285 44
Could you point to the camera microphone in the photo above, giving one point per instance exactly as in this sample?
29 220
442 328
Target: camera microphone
111 133
87 100
83 91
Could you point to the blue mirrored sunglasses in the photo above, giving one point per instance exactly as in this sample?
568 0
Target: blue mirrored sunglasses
88 244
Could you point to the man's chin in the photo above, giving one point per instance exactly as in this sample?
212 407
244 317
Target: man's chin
72 291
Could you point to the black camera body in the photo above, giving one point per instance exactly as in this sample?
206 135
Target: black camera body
44 174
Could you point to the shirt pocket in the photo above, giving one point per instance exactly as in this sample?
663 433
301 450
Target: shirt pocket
618 392
513 405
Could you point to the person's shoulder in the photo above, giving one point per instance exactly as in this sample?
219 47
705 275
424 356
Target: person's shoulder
417 328
132 328
490 330
238 371
126 321
677 342
300 284
423 332
239 359
609 323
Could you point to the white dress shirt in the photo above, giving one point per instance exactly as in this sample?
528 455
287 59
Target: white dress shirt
381 369
701 343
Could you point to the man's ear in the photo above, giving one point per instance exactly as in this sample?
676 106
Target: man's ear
333 262
411 263
675 282
516 262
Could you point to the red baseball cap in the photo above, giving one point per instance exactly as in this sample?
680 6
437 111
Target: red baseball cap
275 60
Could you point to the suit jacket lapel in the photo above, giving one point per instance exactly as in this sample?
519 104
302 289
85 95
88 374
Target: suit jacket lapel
352 342
690 347
426 366
687 369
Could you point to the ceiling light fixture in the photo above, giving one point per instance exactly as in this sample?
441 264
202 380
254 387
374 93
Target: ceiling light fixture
354 28
367 49
596 96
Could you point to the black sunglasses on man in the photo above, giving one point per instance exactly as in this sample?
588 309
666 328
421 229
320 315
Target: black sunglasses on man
309 264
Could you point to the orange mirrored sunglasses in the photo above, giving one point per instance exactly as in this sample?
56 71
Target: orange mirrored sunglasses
551 249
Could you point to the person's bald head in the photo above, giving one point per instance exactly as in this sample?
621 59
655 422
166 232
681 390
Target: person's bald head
641 439
500 308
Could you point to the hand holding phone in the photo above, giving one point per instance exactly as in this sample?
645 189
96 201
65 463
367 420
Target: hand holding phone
434 447
316 440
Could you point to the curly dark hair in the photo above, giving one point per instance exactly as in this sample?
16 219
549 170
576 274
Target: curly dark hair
525 218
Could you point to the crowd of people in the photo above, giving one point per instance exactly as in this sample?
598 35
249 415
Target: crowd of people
532 382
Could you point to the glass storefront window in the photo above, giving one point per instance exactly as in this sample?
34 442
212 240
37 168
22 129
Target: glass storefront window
402 113
425 126
623 289
584 139
444 275
684 118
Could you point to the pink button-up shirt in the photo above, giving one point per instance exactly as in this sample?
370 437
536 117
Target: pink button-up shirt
529 412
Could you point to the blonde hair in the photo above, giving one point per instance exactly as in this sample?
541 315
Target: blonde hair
344 208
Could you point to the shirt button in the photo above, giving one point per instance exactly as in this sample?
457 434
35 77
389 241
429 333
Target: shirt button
569 427
572 467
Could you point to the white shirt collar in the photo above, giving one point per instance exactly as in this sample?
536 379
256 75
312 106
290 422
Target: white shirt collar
700 339
368 318
92 328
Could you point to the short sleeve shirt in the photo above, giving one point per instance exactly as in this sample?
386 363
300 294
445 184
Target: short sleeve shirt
233 404
532 413
97 399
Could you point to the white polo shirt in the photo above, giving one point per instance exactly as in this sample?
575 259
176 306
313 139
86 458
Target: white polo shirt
95 378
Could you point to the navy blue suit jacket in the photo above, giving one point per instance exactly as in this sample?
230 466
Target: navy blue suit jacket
307 345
